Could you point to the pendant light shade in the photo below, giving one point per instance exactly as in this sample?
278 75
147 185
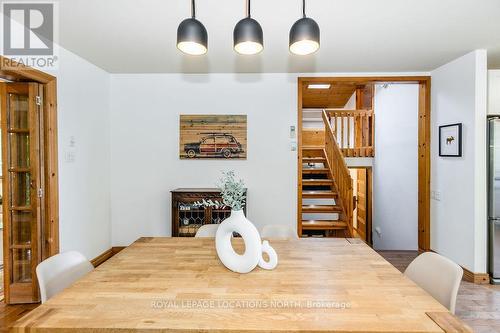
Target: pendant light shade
304 35
248 35
192 37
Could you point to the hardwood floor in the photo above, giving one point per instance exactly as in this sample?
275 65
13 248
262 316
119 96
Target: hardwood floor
10 313
477 305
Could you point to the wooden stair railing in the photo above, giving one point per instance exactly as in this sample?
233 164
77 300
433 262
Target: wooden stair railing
338 168
354 131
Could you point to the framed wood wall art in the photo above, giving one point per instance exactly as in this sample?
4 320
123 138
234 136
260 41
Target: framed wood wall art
450 140
213 136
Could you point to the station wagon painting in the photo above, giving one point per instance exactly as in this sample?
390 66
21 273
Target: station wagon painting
213 136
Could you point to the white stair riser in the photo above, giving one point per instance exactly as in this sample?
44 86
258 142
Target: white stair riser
318 202
320 216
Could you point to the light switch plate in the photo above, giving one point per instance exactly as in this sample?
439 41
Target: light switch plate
69 157
436 195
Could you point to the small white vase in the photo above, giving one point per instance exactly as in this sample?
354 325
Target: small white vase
246 262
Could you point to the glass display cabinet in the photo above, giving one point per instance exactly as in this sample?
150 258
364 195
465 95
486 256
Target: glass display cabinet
21 197
189 213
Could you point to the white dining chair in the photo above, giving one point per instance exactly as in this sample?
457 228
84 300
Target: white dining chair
278 231
437 275
207 230
60 271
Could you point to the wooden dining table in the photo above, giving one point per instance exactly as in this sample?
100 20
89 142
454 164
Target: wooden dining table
179 285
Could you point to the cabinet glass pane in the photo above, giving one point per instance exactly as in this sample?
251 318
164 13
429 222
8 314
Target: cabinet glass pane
19 199
21 189
21 228
219 215
18 105
19 144
21 265
191 218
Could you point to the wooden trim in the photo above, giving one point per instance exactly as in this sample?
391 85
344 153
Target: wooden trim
21 72
100 259
51 169
369 206
299 156
476 278
368 79
5 208
424 166
117 249
424 141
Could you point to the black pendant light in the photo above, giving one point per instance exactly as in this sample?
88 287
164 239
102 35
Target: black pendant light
304 35
248 35
192 37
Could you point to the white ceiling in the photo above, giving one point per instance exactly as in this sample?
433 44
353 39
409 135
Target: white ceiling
138 36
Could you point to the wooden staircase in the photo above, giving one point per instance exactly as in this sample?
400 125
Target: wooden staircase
322 210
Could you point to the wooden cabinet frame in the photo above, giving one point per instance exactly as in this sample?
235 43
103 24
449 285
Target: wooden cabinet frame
190 195
424 144
12 71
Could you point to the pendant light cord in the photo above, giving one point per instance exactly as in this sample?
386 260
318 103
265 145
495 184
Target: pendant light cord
193 9
248 8
304 8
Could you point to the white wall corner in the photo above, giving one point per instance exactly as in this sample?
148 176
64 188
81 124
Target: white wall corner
458 216
480 168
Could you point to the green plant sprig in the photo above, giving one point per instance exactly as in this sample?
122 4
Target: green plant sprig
232 190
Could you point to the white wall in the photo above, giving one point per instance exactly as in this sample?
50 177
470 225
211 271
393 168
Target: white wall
145 160
494 92
395 170
458 218
84 187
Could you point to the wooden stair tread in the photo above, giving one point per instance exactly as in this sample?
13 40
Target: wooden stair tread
319 194
314 149
317 182
323 224
313 160
315 170
321 209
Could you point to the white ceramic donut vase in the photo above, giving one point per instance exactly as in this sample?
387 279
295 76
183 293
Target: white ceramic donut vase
246 262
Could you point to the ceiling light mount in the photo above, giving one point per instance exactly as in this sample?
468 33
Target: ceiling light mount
192 37
248 37
304 35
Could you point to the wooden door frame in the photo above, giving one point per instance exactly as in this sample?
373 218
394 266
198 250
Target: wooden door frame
16 72
424 144
369 201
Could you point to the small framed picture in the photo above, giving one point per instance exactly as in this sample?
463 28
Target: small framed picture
450 140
